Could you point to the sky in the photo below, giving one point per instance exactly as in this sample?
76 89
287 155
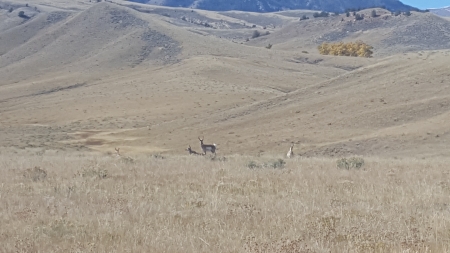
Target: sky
424 4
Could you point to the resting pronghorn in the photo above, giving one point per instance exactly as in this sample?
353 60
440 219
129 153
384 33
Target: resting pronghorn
290 154
192 152
207 147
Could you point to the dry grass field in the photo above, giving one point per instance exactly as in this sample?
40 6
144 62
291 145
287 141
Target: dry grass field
194 204
79 79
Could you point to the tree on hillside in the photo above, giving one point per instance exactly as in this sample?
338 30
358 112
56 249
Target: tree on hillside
373 14
22 14
359 16
256 34
355 49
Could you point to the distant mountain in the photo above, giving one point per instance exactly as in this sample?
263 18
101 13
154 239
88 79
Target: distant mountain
444 12
277 5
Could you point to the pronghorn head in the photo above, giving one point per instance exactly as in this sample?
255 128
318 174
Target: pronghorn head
189 148
117 151
201 140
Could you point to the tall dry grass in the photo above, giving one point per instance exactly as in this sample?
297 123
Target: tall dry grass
192 204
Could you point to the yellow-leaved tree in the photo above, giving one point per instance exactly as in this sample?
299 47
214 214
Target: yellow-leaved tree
355 49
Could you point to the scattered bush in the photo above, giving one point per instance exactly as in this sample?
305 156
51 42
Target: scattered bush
322 14
304 17
22 14
407 13
94 173
351 163
253 165
278 164
218 158
359 17
158 156
347 14
256 34
269 46
397 13
35 174
355 49
10 9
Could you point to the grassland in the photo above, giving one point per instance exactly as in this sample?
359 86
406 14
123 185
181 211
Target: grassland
85 203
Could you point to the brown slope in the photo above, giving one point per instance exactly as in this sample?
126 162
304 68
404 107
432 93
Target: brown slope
105 36
391 108
396 107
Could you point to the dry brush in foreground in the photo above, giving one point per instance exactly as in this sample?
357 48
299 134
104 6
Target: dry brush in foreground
195 204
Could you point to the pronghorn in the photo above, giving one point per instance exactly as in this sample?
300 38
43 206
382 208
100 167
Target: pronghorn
192 152
125 158
207 147
290 154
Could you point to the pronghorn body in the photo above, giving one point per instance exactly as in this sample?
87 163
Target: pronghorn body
207 147
290 154
192 152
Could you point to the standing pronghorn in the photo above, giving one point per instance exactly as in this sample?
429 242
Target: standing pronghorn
290 154
192 152
117 151
207 147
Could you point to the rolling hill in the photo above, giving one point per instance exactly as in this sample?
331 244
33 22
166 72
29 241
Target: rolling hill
151 79
444 12
278 5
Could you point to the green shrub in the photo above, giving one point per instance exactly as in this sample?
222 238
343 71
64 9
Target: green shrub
351 163
278 164
252 165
